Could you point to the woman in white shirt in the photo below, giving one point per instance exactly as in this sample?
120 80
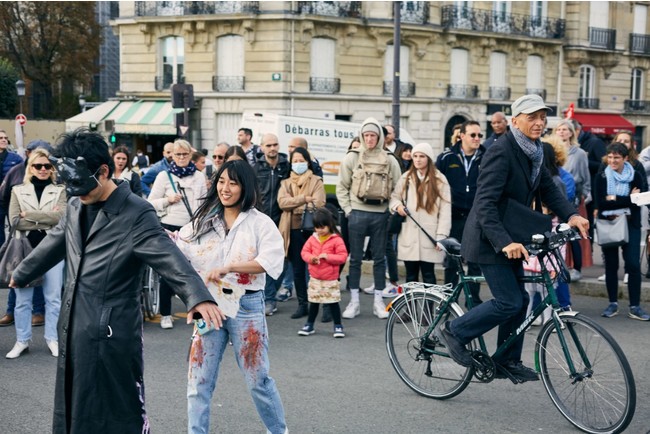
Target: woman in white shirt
176 194
232 246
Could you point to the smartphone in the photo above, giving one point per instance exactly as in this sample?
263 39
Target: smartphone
202 327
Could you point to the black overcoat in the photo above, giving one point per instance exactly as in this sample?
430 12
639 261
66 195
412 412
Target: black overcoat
505 173
99 382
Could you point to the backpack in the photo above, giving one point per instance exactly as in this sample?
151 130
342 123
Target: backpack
371 180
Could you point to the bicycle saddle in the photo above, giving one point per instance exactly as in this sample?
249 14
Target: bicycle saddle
451 245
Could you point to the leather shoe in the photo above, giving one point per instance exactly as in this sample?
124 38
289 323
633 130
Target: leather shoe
6 320
458 352
517 370
300 312
38 320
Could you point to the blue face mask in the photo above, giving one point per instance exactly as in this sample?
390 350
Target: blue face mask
299 168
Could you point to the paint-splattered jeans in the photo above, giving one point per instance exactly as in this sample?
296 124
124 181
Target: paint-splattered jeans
249 335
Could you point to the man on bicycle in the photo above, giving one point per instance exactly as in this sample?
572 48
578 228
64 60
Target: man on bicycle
512 171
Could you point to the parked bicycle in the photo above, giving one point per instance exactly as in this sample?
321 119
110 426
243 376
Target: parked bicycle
583 369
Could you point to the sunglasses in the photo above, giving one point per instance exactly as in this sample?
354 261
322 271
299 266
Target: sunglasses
39 166
473 135
217 157
4 138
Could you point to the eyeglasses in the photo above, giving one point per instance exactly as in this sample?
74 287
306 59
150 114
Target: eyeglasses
39 166
182 154
218 157
4 137
473 135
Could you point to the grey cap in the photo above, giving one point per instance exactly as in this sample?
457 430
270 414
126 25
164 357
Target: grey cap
38 143
528 104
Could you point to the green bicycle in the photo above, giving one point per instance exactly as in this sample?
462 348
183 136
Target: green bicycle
583 369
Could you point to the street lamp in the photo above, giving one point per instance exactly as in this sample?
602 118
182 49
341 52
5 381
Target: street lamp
20 89
82 103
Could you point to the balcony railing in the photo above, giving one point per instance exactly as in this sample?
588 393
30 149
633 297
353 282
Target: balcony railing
637 106
588 103
500 93
163 82
177 8
639 44
405 88
602 38
416 12
228 84
331 9
324 85
462 91
459 17
540 92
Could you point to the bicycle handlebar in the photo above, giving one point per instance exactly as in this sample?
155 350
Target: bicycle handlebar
550 241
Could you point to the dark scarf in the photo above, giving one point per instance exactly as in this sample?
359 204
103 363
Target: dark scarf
533 150
182 172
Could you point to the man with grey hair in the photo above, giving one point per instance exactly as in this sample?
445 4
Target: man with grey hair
149 177
219 155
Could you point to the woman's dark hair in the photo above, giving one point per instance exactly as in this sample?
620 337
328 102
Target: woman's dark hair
324 218
234 150
242 173
355 139
305 155
124 150
549 159
87 144
617 148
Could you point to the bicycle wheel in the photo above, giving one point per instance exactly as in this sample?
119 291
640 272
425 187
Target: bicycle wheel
151 292
429 372
601 396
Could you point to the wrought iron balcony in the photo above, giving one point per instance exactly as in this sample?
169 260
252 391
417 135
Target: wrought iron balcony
405 88
588 103
324 85
178 8
500 93
639 44
416 12
462 91
165 81
602 38
348 9
540 92
228 84
637 106
460 17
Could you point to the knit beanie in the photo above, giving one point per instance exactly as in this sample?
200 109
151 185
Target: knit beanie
370 128
425 149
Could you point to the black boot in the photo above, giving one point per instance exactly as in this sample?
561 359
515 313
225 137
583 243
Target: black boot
300 312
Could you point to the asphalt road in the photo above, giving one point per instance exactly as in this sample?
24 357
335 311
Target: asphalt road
328 385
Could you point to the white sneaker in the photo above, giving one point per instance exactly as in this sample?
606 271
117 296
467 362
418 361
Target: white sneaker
166 322
575 275
625 278
353 309
601 278
379 309
18 349
370 290
54 347
391 290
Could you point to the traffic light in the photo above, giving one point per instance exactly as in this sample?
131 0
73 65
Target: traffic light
112 138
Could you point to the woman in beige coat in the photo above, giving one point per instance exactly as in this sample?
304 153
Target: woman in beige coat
425 192
300 190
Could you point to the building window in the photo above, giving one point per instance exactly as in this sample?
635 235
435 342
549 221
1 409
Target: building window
535 76
498 84
172 62
459 62
637 84
322 76
230 64
501 16
406 87
587 91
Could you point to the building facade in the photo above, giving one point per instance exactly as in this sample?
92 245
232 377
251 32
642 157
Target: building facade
458 60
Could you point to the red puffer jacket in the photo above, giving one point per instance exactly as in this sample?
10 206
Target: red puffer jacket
337 254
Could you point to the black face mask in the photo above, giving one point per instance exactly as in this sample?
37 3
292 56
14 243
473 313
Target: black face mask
78 179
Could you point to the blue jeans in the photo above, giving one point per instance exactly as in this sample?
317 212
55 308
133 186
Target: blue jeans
507 309
373 225
288 277
249 336
38 301
52 284
272 285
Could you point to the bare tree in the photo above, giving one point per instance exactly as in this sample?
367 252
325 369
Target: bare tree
55 45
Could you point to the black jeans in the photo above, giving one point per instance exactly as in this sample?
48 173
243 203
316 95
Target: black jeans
631 253
297 241
413 269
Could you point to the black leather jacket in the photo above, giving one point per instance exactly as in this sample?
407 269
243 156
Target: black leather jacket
269 179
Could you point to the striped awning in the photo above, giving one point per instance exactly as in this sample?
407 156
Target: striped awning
131 117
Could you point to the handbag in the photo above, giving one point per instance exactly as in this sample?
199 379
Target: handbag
612 233
15 248
307 223
522 222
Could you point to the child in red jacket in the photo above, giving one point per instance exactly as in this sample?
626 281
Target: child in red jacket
324 252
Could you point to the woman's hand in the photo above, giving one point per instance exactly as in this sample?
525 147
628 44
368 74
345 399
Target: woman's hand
635 190
173 198
309 199
210 313
401 210
22 214
515 251
216 274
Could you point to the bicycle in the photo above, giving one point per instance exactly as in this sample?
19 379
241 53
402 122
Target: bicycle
150 292
583 369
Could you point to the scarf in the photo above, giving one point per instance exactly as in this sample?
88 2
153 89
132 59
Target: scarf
300 180
533 150
182 172
619 183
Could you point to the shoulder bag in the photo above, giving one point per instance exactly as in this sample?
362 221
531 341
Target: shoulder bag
307 223
13 251
612 233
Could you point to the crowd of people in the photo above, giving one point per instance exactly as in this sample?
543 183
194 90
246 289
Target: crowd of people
257 230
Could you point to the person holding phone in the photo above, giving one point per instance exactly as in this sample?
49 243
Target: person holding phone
233 246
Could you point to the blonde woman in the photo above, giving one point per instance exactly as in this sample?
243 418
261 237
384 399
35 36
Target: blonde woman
176 194
39 204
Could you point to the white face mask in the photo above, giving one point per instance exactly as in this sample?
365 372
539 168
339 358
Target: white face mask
299 168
